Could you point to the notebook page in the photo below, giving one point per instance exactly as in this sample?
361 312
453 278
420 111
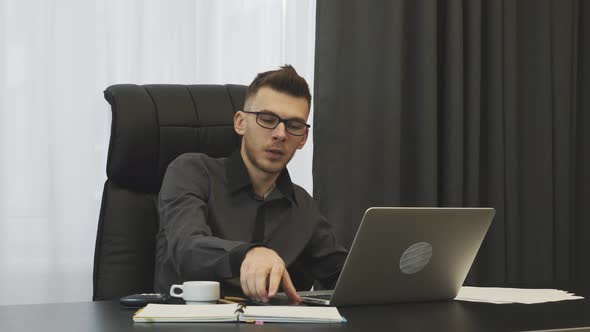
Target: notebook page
186 313
294 314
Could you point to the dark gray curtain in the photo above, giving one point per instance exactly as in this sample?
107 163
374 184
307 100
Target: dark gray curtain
461 103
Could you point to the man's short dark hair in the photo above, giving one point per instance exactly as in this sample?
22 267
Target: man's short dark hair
285 80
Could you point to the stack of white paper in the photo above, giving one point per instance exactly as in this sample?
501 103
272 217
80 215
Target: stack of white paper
513 295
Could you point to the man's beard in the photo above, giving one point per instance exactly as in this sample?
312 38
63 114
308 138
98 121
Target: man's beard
250 154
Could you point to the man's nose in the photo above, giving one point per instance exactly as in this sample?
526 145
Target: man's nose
280 132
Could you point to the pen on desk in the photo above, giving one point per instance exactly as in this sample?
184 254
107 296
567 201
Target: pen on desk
224 301
235 299
232 300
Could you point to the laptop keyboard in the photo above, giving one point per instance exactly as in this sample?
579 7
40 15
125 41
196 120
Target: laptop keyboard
320 296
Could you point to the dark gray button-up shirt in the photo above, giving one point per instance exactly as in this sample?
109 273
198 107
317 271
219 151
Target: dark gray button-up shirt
210 217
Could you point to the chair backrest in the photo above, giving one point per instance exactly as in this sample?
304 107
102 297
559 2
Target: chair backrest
151 126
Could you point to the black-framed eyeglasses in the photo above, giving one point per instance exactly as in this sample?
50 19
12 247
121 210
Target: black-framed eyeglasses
271 121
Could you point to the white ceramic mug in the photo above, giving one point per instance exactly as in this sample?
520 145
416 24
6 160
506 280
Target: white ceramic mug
197 292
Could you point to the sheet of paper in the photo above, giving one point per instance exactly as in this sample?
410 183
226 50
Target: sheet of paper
513 295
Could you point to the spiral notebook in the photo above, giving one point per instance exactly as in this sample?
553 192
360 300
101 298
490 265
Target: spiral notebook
174 313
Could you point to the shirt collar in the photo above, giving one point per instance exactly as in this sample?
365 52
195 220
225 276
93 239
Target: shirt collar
238 178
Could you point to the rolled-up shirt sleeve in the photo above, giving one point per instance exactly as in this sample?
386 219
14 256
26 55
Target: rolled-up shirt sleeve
189 243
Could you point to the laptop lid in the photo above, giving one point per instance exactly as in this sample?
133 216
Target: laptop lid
411 254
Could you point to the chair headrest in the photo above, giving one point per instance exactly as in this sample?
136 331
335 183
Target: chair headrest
154 124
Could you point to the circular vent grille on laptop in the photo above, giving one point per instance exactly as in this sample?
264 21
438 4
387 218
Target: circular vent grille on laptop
415 258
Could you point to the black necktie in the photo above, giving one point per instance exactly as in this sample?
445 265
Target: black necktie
258 234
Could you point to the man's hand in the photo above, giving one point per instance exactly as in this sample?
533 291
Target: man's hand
258 265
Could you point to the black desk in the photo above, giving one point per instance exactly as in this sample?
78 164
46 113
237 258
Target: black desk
436 316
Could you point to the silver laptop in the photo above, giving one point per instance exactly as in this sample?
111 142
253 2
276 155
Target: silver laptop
407 255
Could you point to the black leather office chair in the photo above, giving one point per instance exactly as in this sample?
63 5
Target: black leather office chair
151 125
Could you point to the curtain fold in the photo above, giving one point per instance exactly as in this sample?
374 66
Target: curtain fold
459 103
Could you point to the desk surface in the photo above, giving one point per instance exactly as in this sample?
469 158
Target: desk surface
434 316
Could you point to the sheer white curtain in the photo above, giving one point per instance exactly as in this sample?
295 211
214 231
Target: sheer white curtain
56 58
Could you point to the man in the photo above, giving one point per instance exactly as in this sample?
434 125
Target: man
240 220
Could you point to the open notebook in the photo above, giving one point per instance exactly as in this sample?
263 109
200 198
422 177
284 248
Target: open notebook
236 312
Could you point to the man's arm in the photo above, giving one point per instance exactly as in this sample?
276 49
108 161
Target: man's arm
196 254
325 257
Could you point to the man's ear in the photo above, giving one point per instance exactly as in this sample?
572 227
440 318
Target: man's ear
240 123
303 140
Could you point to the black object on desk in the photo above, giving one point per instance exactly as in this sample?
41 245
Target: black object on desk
141 300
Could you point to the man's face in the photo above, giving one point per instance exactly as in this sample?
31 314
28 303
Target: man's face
269 150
